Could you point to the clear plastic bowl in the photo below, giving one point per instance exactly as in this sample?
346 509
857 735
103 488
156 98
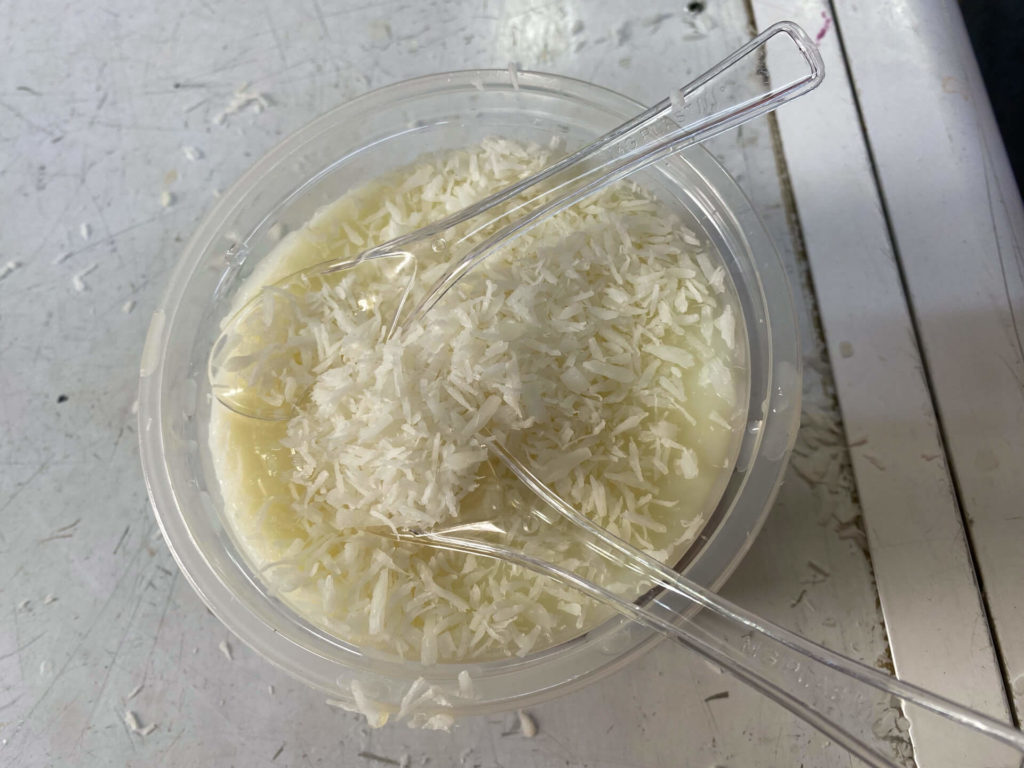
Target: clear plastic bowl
352 144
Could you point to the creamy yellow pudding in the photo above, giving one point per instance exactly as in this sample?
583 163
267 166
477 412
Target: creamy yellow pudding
604 348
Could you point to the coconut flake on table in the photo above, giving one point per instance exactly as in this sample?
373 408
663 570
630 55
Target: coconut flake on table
242 98
131 721
78 279
527 725
8 268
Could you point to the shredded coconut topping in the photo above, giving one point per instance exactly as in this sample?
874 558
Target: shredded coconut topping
601 348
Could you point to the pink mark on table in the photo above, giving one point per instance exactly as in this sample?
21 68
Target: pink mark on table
824 27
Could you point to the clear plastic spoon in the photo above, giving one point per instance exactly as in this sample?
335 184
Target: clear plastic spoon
255 373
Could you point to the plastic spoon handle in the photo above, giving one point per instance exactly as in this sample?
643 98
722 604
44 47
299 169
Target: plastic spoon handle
834 669
734 91
768 680
821 686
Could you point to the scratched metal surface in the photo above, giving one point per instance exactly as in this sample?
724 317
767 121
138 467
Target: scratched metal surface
96 106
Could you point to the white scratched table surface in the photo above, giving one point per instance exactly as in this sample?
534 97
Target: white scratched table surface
97 105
